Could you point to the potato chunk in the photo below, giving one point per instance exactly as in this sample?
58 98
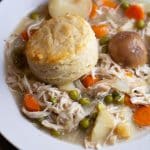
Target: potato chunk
123 130
103 126
75 7
128 49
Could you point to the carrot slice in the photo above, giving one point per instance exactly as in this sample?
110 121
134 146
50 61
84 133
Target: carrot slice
31 103
142 116
100 30
89 81
127 101
93 11
109 3
24 36
136 12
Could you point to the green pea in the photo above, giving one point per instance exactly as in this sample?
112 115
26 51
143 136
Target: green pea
108 99
125 4
84 101
104 40
115 93
105 49
55 133
140 24
74 95
53 100
34 16
85 123
118 100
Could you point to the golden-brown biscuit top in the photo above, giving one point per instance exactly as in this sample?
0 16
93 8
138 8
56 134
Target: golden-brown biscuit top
58 39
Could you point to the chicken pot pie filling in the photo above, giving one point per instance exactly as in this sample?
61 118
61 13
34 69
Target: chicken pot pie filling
105 94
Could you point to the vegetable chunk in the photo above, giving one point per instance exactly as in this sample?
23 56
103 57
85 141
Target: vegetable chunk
103 126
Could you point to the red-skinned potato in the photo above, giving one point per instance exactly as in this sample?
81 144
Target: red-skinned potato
128 49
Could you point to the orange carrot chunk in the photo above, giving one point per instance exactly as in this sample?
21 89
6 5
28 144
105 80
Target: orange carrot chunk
136 12
109 3
24 36
142 116
31 103
89 81
128 102
93 11
100 30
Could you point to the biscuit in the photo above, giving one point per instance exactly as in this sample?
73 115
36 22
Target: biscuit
62 50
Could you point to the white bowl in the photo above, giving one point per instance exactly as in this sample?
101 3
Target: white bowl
13 126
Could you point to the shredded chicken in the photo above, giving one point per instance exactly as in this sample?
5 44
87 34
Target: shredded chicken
66 114
34 26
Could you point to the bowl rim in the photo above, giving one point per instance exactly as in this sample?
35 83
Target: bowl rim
14 127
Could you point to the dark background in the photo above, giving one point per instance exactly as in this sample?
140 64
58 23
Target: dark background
4 144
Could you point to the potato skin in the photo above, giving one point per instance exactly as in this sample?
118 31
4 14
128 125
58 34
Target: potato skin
128 49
